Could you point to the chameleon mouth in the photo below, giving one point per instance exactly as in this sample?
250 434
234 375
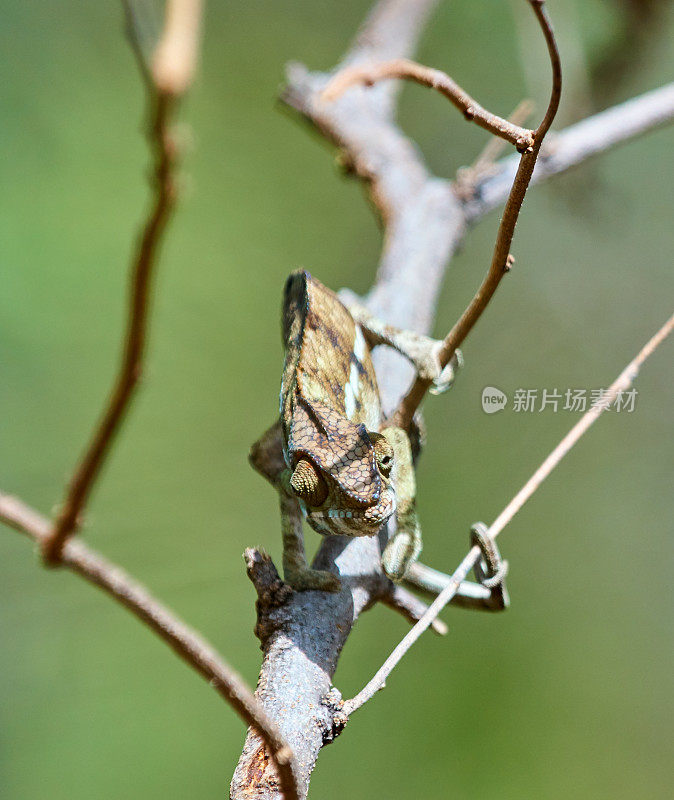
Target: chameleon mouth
354 522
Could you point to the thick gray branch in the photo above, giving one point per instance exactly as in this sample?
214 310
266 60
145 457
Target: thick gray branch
302 639
424 222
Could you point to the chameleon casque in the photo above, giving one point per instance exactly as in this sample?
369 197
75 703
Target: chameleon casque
328 455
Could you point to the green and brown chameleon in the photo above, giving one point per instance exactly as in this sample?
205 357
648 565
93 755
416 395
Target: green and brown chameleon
328 455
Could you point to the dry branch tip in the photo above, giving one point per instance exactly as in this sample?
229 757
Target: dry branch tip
500 263
174 62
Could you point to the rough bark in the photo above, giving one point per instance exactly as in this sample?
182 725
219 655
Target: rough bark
424 220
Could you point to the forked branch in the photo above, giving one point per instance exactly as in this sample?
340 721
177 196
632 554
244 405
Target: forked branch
183 640
424 222
528 143
167 74
501 259
467 178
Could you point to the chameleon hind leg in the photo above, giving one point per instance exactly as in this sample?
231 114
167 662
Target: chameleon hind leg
421 351
266 456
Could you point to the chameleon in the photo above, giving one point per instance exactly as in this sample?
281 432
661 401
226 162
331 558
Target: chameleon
329 455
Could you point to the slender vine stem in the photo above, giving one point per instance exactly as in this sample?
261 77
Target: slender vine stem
502 260
621 384
167 77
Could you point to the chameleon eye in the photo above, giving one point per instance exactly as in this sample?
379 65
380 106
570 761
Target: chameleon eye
383 452
307 484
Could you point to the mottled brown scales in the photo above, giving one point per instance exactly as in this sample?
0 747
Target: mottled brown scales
327 455
329 390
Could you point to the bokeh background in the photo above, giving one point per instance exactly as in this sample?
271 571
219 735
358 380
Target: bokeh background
567 695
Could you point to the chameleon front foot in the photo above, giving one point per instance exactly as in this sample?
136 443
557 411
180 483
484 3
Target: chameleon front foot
446 378
421 351
401 551
303 580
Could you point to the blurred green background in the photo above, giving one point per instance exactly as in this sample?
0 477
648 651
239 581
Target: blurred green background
567 695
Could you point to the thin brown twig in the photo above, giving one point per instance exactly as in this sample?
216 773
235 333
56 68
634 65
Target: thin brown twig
411 607
403 68
495 146
501 259
485 163
167 79
621 384
183 640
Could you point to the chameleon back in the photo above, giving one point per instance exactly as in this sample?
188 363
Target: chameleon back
329 395
327 351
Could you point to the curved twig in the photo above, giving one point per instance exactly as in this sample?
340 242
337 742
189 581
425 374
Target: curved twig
622 383
501 259
522 138
183 640
424 222
166 78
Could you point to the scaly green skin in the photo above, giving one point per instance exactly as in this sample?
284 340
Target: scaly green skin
328 455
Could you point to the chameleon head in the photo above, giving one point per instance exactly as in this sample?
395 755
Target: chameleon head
336 506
